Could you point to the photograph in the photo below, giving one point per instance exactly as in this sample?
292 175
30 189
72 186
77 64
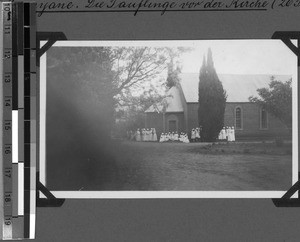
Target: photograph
168 118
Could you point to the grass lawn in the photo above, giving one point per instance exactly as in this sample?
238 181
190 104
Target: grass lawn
177 166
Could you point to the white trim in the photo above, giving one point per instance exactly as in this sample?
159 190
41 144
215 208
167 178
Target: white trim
295 123
42 111
166 194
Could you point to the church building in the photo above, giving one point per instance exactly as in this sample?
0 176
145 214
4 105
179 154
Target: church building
179 112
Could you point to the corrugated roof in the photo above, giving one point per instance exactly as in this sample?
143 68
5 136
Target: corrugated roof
173 100
238 87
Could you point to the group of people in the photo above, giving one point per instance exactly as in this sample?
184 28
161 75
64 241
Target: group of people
195 134
145 135
141 135
174 136
227 133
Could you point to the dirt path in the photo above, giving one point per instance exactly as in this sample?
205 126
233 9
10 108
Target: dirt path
172 166
139 166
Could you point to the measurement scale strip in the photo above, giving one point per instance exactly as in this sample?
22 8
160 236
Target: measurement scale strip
7 120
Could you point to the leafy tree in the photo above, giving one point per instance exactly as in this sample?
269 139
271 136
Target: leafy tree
277 100
136 66
212 100
133 113
135 70
79 115
83 78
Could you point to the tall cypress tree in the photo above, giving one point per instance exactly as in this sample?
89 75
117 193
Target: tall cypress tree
212 100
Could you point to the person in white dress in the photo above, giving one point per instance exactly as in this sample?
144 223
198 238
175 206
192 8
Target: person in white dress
229 134
150 134
197 134
193 135
161 139
220 135
154 135
166 137
223 134
176 136
185 139
179 137
142 134
226 133
233 133
138 136
147 135
172 136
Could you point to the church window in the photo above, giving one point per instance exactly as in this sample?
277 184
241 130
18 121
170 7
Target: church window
238 118
263 119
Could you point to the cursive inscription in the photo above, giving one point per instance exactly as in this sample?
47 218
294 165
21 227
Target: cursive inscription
136 6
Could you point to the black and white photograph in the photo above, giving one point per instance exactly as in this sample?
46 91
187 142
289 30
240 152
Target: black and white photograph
176 118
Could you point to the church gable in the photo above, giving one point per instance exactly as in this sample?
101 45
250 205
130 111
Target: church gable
172 100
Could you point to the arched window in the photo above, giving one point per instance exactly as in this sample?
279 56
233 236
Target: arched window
263 119
238 118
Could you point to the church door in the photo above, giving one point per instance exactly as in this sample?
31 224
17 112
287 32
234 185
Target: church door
172 125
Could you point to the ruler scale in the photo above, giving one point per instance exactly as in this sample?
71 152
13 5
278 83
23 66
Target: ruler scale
7 119
18 63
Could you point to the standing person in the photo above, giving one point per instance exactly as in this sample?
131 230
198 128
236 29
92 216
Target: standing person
151 135
220 135
154 135
229 134
226 133
197 134
233 133
146 135
200 132
143 135
193 135
223 134
138 137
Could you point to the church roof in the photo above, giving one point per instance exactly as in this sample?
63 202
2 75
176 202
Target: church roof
172 99
238 87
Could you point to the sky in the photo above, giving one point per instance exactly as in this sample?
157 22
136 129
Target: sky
260 56
243 57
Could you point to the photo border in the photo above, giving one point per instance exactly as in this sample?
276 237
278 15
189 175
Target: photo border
155 194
